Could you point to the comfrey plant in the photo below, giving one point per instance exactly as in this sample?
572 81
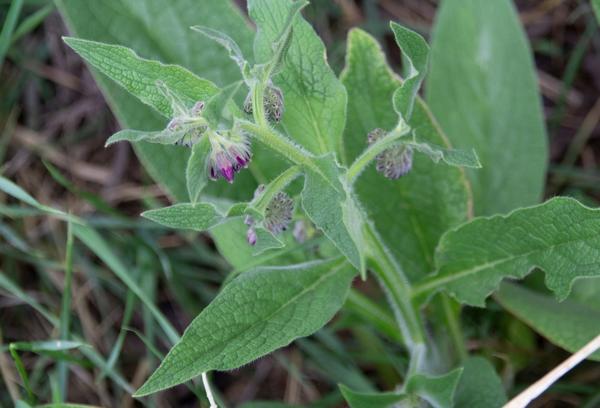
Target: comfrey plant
356 167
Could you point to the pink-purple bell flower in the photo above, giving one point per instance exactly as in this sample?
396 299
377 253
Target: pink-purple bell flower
228 155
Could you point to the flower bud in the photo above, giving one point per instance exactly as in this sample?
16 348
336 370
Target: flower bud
278 213
251 236
393 162
273 104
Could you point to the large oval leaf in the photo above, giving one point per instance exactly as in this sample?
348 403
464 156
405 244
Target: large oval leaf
260 311
413 212
560 237
483 90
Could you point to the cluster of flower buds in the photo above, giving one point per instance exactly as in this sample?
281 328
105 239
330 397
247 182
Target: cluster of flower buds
393 162
273 103
189 124
278 215
230 152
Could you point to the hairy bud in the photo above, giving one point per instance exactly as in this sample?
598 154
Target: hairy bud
393 162
278 213
273 104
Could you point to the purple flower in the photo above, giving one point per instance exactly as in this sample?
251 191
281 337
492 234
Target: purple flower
229 154
251 236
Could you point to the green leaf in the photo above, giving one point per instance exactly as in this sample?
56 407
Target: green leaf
235 52
568 324
17 192
452 157
479 386
332 208
197 217
8 27
196 172
437 391
264 240
50 345
483 90
413 212
315 100
164 137
370 399
216 107
281 46
279 304
596 7
139 76
560 237
157 29
416 56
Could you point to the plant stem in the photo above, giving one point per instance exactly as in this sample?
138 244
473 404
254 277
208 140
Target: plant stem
398 292
280 144
453 321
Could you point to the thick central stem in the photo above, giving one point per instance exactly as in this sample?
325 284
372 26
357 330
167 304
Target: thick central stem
397 290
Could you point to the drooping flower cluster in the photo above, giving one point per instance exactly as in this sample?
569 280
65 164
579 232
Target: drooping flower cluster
278 215
230 152
393 162
273 104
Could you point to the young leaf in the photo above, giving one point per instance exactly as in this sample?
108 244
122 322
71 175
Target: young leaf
139 76
452 157
164 137
416 56
196 172
280 304
331 207
479 386
483 89
215 108
371 400
235 53
315 101
282 44
197 217
413 212
560 237
437 391
568 324
265 240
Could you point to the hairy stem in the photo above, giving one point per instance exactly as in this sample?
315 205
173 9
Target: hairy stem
397 287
